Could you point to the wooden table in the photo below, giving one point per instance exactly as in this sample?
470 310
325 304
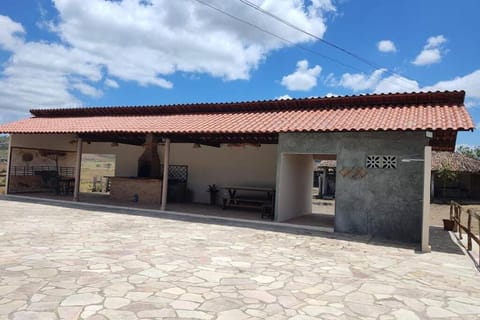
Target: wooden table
250 197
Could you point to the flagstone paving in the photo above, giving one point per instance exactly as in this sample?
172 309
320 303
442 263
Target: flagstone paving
64 263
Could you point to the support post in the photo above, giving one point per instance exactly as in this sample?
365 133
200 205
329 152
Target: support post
427 174
78 168
166 158
9 159
324 182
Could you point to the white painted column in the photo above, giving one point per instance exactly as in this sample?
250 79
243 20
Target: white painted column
78 168
9 163
166 158
427 174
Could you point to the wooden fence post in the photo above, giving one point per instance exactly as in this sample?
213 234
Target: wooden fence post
469 233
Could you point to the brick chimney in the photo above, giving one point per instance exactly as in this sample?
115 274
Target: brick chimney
149 161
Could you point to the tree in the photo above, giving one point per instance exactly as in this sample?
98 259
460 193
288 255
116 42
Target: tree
445 174
472 152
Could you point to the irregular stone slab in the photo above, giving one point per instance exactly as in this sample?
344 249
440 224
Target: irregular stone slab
153 273
42 273
138 295
259 295
232 314
9 307
220 304
4 290
32 315
437 312
403 314
115 302
72 313
264 279
184 305
119 315
157 313
195 315
82 299
212 276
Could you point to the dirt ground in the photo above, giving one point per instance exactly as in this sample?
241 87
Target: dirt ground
438 212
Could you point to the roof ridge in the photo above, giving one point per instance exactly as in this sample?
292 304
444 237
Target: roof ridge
353 101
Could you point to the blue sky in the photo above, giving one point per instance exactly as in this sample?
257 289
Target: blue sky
74 52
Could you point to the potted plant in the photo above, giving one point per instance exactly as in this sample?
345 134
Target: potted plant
213 190
448 224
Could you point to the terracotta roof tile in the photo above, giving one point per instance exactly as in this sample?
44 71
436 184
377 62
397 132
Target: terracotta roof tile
454 161
303 115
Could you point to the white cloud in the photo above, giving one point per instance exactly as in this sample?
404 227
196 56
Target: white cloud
284 97
360 81
376 83
88 90
470 83
331 95
386 46
435 42
112 83
303 79
10 32
144 43
432 51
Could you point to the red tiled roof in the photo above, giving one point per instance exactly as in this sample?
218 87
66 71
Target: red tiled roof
408 111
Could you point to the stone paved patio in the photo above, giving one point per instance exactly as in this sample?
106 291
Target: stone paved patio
64 263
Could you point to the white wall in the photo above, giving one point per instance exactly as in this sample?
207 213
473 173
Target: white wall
294 186
45 141
239 166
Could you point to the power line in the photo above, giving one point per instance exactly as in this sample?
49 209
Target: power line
277 36
331 44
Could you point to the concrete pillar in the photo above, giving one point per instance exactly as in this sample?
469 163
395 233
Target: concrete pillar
427 174
78 168
324 182
294 186
9 163
166 159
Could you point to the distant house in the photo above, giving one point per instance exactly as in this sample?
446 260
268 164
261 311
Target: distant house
465 185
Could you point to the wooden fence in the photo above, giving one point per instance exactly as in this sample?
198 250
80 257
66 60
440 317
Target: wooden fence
456 213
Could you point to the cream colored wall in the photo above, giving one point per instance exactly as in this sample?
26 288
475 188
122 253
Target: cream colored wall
239 166
294 186
44 141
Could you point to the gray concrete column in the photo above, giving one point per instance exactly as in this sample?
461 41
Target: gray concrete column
427 174
166 159
78 168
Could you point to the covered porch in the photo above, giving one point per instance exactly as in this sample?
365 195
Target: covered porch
227 160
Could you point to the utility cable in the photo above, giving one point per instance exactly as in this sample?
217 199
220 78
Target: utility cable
331 44
277 36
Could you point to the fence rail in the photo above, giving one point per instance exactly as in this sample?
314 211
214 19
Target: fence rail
456 212
41 170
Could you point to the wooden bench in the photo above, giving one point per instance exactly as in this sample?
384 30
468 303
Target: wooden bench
251 198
